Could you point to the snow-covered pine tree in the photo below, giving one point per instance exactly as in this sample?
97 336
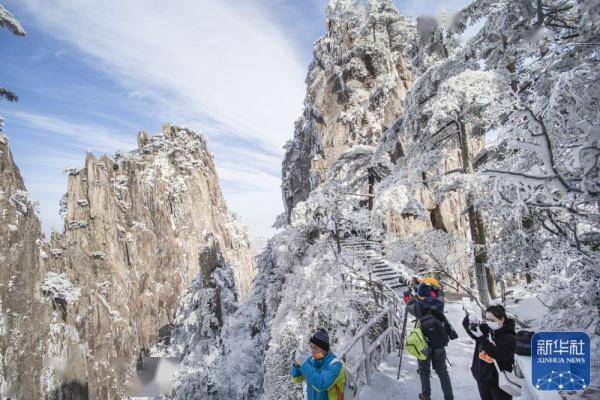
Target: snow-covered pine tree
8 21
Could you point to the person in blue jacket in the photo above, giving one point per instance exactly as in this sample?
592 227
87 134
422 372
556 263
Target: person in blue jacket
323 373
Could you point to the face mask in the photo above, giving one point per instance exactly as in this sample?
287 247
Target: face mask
494 325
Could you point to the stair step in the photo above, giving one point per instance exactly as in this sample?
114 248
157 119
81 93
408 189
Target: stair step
363 247
387 268
391 278
387 281
388 274
382 268
383 273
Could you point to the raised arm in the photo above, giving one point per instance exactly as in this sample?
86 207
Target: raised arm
465 324
501 351
323 379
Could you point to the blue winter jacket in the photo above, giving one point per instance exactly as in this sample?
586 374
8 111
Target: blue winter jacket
324 378
429 304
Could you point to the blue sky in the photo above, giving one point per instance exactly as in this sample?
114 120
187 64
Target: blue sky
90 75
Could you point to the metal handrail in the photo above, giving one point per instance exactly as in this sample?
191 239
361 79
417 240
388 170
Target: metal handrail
364 330
385 289
387 341
391 304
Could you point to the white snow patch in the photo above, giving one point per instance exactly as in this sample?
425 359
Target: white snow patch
59 286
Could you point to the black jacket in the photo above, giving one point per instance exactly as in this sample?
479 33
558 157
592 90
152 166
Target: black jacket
434 323
502 350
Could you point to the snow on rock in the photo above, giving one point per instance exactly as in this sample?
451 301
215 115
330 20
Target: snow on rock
355 89
58 286
391 150
23 318
99 255
136 228
137 224
21 201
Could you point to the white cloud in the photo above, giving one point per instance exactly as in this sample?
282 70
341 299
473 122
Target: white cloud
221 66
261 201
211 58
80 135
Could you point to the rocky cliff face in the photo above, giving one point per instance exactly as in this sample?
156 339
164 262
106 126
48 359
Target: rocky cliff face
23 317
140 229
362 70
356 86
135 230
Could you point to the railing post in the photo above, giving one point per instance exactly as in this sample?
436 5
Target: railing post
367 359
391 325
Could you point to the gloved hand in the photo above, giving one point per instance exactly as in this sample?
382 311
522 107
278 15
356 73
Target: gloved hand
299 357
465 322
485 329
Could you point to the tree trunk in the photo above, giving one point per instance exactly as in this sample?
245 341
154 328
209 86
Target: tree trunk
338 242
371 191
485 279
540 13
491 281
527 223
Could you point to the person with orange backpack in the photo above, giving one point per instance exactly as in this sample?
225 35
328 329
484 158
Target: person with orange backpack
437 331
434 284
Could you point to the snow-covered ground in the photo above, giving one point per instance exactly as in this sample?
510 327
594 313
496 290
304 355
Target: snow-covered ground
459 352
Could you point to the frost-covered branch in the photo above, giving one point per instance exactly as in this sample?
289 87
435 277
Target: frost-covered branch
8 21
7 95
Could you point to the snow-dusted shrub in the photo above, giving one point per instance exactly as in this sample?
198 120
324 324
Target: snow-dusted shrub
298 289
59 286
59 289
247 333
313 298
435 252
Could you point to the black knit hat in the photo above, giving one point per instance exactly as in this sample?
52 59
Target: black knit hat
321 339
